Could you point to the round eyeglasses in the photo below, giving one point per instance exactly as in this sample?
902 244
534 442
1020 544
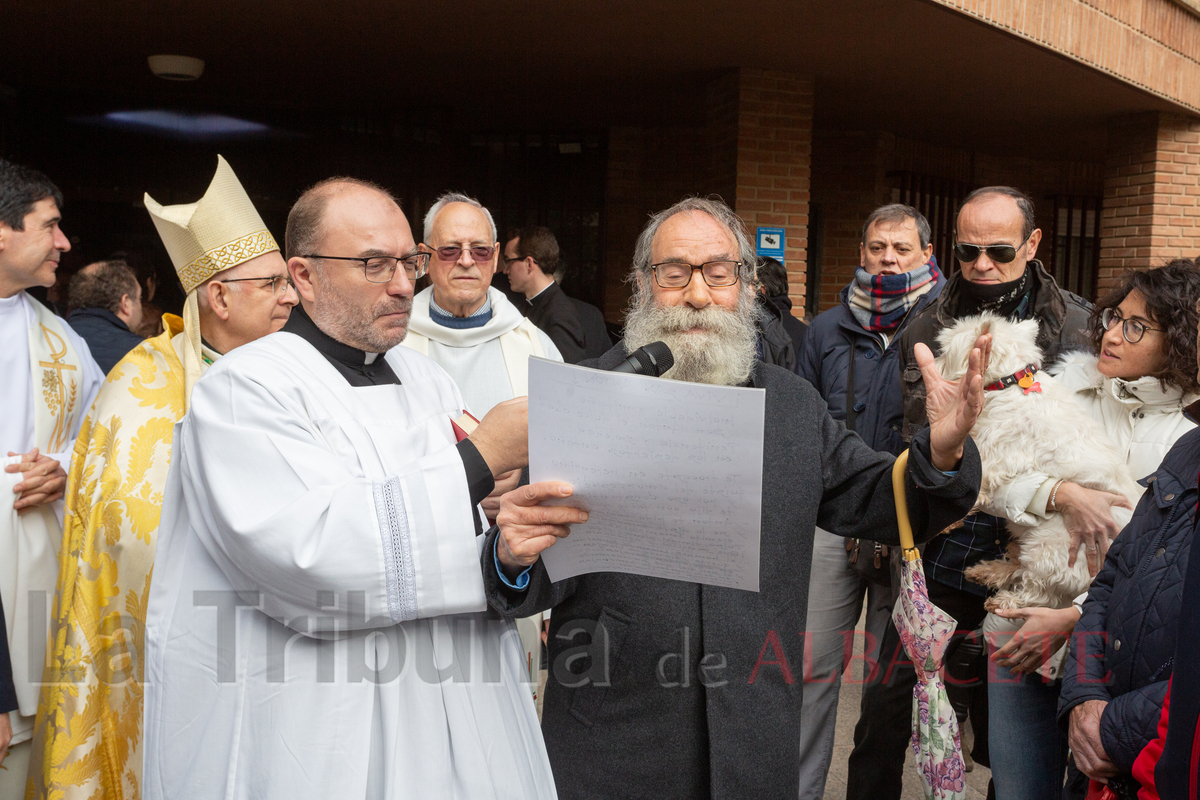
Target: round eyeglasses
380 269
1133 330
678 274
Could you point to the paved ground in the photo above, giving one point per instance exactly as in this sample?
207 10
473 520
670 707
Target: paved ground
851 695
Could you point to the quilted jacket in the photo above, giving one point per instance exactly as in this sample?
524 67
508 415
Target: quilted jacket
825 363
1123 646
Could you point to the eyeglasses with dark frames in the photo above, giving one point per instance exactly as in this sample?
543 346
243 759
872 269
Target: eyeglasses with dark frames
1133 330
278 282
1000 253
380 269
452 253
678 274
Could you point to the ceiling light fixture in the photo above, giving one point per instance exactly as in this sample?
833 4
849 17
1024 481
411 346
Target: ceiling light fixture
176 68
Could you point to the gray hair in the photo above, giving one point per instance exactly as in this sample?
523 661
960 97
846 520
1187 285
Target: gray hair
715 208
454 197
897 213
1023 201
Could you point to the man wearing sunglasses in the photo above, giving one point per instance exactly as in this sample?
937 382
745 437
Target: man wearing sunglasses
473 332
996 241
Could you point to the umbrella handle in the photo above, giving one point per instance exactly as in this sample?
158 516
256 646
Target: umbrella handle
911 553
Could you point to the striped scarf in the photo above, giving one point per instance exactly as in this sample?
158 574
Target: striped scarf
879 302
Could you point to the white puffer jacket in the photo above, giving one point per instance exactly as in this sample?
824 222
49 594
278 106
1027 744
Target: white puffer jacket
1141 417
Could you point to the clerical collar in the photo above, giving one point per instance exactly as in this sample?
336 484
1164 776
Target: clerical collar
542 292
448 320
351 362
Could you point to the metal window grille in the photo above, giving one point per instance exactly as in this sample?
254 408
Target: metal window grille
938 199
1074 246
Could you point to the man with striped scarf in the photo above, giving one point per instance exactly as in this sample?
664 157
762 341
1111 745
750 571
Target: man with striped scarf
850 355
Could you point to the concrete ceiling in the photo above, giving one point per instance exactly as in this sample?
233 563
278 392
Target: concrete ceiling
907 66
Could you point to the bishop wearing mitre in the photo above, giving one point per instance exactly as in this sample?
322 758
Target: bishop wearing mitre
88 740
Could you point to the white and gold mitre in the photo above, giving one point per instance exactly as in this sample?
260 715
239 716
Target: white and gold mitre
218 231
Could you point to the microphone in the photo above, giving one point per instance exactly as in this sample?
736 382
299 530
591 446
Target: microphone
654 359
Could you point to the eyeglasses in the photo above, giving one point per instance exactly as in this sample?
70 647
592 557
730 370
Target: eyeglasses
1000 253
279 283
1132 329
678 274
380 269
452 253
508 261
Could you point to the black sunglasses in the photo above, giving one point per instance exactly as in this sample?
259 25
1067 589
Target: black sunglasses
1000 253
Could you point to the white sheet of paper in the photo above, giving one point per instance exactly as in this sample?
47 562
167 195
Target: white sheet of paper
669 472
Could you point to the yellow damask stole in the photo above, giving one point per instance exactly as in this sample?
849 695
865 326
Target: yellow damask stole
87 740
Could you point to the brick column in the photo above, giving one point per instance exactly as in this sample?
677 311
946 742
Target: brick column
1151 194
760 125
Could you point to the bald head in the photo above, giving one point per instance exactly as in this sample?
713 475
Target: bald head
306 221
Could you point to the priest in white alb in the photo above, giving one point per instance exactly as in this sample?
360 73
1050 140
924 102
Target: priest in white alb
88 735
47 381
317 624
474 333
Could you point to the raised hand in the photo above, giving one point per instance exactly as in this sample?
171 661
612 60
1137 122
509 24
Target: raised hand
952 406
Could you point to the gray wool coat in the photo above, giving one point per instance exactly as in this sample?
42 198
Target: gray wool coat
665 689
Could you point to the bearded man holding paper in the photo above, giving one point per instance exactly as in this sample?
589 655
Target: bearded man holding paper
317 623
670 689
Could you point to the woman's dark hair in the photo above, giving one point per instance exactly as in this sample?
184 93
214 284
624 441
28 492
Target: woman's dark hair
1171 293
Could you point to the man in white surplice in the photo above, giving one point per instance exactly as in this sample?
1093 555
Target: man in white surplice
47 381
317 623
477 336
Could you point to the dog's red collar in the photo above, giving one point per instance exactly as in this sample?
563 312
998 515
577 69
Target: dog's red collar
1024 379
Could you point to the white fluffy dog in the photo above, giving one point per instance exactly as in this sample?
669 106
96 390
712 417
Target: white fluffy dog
1037 426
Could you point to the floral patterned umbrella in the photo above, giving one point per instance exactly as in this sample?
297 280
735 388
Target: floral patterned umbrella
925 632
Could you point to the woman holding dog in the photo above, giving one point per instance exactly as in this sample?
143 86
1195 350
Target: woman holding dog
1137 384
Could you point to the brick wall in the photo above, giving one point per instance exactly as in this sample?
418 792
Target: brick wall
752 149
1148 43
848 182
1151 193
648 170
771 155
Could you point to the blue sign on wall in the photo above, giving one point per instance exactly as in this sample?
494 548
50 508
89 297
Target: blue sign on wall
771 242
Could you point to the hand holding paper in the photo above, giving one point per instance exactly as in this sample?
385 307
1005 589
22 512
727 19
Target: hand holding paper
527 528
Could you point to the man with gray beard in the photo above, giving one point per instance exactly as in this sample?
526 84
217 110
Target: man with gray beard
667 689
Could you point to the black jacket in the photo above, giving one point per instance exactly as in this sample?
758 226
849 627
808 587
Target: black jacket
8 689
554 313
106 335
796 328
594 329
1124 644
709 724
775 344
878 404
